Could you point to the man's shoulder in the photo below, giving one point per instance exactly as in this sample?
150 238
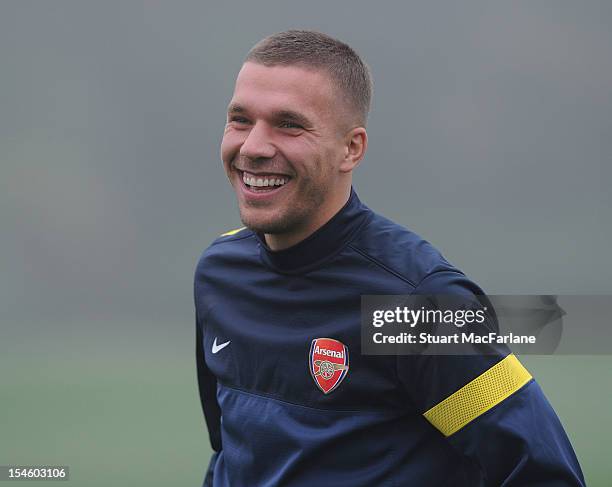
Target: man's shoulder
230 244
231 237
400 251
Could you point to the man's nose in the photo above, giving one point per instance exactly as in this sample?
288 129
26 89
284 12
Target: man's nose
258 143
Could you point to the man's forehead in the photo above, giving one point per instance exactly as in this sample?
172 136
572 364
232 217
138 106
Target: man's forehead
283 86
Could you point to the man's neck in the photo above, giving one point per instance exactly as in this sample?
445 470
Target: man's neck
282 241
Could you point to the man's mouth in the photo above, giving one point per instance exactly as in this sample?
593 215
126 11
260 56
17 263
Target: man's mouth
262 183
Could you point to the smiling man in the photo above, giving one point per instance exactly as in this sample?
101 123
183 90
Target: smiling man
287 396
310 135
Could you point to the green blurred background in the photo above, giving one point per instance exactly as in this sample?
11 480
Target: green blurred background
489 136
136 421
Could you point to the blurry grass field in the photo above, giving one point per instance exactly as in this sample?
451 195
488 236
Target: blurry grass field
128 414
118 412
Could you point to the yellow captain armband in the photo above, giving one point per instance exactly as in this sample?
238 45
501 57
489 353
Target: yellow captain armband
478 396
232 232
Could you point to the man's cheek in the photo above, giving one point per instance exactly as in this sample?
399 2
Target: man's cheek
230 146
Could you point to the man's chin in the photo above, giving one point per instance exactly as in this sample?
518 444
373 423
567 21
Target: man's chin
267 228
266 224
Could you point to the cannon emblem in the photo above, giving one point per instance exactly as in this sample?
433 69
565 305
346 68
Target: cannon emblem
328 363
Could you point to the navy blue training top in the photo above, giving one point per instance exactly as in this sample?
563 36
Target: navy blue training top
390 420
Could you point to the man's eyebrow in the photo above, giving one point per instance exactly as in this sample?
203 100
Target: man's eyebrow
293 116
279 115
235 108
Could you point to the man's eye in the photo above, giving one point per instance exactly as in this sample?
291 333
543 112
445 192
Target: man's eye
290 125
238 120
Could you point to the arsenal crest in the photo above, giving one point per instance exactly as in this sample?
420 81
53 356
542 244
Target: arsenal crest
329 363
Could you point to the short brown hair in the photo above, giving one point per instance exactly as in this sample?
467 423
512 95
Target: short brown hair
320 51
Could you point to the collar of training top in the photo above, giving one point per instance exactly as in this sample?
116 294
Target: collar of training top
322 244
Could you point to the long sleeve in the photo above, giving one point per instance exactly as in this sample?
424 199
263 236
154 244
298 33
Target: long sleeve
207 385
490 408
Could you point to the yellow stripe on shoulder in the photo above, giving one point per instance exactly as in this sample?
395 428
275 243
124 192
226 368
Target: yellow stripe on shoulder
478 396
232 232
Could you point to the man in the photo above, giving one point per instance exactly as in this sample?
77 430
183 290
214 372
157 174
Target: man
287 396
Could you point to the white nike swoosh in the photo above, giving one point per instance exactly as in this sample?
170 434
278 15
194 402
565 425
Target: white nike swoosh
216 348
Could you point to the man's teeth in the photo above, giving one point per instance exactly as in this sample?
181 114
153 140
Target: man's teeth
261 182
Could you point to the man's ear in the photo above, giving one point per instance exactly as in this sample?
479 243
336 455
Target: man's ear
355 146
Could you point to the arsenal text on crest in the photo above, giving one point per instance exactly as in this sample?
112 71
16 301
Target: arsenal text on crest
328 363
